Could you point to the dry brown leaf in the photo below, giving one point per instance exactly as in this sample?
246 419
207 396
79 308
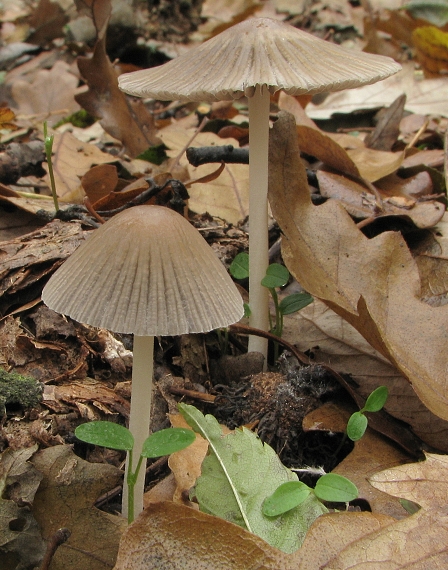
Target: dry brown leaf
361 203
71 160
291 105
65 498
163 491
329 417
47 22
387 129
418 542
373 452
433 157
99 181
178 537
370 453
128 122
48 91
374 284
375 164
424 483
102 397
6 119
431 256
186 464
323 147
227 197
332 532
168 535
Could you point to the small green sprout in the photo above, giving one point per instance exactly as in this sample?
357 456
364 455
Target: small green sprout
48 144
276 276
357 424
115 436
330 487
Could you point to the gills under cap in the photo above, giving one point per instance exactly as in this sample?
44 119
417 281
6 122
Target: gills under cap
258 51
146 271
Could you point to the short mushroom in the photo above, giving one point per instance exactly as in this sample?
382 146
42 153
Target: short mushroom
149 272
257 57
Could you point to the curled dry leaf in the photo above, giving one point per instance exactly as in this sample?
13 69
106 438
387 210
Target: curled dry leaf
128 122
360 203
373 284
186 464
180 538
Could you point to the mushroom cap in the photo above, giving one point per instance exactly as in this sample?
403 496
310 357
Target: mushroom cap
146 271
258 51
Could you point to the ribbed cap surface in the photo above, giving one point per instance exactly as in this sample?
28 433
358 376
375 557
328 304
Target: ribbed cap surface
258 51
146 271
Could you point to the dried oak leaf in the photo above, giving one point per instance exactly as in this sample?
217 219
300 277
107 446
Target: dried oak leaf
419 541
372 283
21 544
128 122
48 92
65 498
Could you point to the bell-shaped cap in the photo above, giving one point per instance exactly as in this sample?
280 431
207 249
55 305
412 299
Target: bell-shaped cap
146 271
258 51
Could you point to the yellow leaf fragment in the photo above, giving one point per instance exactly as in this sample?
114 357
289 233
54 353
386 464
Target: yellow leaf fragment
431 45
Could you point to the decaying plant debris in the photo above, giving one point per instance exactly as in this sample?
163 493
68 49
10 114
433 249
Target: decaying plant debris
359 220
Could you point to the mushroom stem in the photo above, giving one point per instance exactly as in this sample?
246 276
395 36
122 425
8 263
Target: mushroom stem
258 215
139 419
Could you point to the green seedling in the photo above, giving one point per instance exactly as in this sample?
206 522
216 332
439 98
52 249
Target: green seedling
48 144
114 436
357 424
277 276
330 488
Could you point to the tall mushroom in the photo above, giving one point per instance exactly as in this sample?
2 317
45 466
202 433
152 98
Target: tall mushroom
149 272
255 58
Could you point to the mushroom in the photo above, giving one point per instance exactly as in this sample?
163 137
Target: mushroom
257 57
149 272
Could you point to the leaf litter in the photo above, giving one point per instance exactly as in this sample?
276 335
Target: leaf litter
371 189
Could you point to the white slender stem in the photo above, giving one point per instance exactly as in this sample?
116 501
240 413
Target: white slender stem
139 420
258 215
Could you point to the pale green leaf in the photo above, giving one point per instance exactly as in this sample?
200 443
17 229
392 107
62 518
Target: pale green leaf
239 473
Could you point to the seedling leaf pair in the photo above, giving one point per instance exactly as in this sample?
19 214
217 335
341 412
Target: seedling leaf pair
330 487
115 436
357 424
277 275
